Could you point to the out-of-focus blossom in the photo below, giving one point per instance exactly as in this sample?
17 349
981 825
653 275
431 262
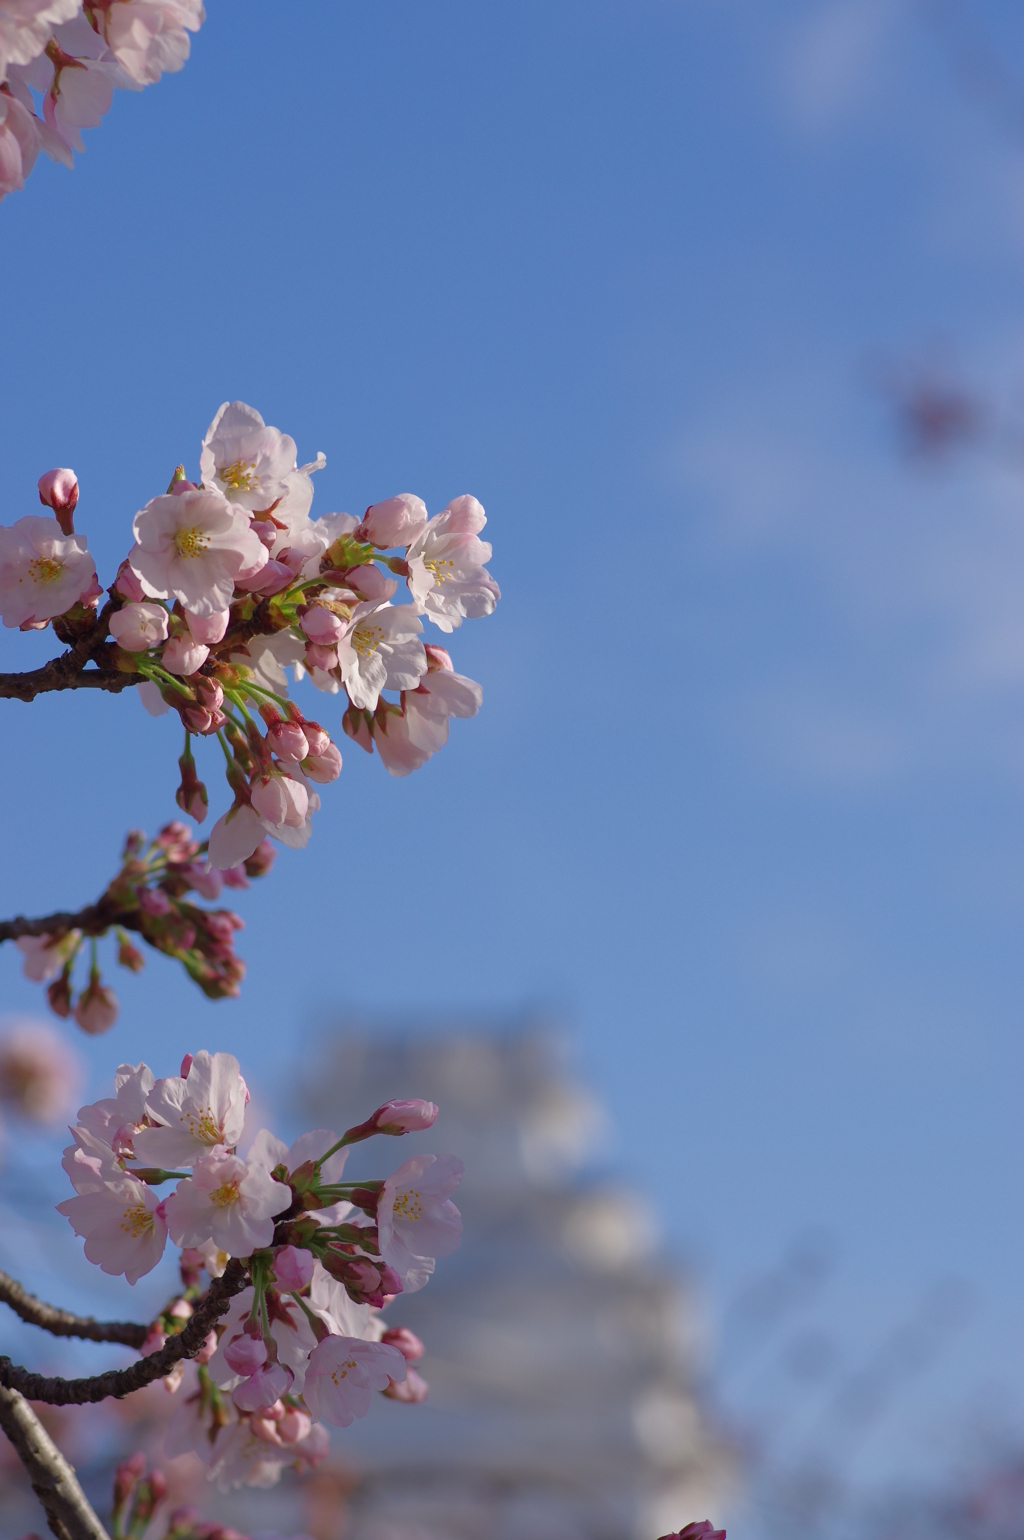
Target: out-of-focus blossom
39 1072
412 1390
138 627
96 1008
43 572
704 1530
44 957
447 575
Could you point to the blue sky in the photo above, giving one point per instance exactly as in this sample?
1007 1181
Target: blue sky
746 798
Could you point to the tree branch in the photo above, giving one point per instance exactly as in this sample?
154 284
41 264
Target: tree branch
61 1323
68 1511
121 1382
68 672
92 920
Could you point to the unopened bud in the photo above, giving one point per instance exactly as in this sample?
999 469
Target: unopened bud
406 1341
438 658
409 1117
59 995
97 1008
208 629
209 693
128 955
395 521
293 1268
288 741
324 767
261 860
413 1389
58 490
127 583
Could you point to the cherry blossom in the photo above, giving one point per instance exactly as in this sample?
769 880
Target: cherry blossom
138 627
149 37
19 142
39 1072
380 649
292 1335
343 1372
97 1008
192 544
416 1221
58 489
293 1269
43 572
44 957
194 1113
26 27
395 521
227 1200
704 1530
447 576
249 462
123 1225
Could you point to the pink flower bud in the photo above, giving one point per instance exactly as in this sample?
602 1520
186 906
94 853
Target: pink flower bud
209 693
324 767
266 532
405 1117
294 1426
288 741
138 627
395 521
186 1065
261 860
317 738
293 1268
127 583
280 800
155 1339
705 1530
97 1008
268 579
208 1349
406 1341
321 625
202 722
208 629
390 1282
438 657
245 1354
369 582
181 1310
321 657
155 902
413 1389
58 490
265 1428
181 655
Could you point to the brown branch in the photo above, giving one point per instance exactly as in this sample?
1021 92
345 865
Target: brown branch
68 1511
92 920
68 672
61 1323
121 1382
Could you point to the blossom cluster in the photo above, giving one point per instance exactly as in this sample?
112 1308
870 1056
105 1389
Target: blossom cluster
305 1342
62 60
149 896
230 583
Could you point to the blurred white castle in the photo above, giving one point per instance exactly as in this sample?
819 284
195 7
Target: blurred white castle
561 1350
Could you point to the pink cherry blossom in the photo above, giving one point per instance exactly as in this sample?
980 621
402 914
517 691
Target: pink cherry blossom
416 1221
441 694
192 544
149 37
380 649
396 521
181 655
115 1119
249 462
90 1163
123 1225
208 629
704 1530
138 627
43 572
227 1200
19 143
322 626
235 836
244 1354
194 1113
401 756
447 576
406 1341
289 1327
27 26
324 767
343 1373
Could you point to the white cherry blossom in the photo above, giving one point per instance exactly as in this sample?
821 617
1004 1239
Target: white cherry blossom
43 572
380 649
194 1113
150 37
447 576
249 462
192 544
26 27
416 1220
20 136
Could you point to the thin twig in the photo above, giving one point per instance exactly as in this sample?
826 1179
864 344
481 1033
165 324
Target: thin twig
68 1511
61 1323
121 1382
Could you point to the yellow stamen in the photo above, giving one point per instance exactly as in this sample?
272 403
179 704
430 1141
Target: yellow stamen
408 1204
45 569
192 541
